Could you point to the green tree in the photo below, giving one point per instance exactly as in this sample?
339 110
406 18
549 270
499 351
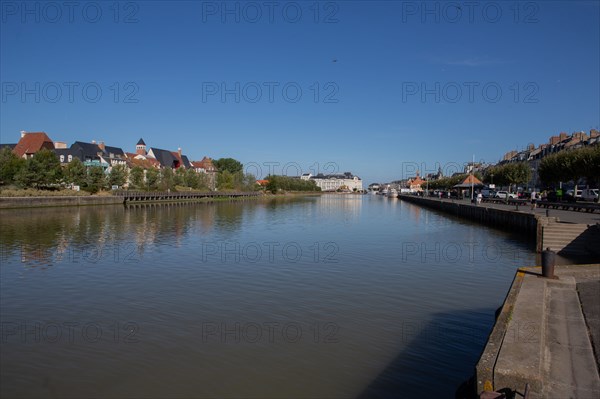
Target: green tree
571 166
509 174
448 182
589 164
225 181
286 183
75 172
191 179
249 182
118 176
41 170
136 177
517 173
167 179
180 174
152 178
96 179
228 164
203 182
10 165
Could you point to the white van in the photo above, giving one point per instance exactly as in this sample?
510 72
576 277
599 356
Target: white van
589 194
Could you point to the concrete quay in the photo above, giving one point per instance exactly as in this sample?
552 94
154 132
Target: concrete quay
36 202
120 198
546 335
568 233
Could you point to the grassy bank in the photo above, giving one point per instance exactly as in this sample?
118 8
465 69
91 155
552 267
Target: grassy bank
32 192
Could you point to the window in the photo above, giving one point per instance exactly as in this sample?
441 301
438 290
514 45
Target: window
70 158
62 159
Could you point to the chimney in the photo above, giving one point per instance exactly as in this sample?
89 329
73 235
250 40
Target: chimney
179 152
101 145
93 141
23 133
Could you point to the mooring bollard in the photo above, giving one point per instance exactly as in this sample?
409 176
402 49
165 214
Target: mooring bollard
548 259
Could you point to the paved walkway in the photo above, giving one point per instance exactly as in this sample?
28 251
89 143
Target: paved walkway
564 216
548 337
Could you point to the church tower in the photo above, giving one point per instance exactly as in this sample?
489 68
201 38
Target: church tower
140 147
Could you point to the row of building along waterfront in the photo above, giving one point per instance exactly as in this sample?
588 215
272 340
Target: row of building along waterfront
532 154
105 156
99 154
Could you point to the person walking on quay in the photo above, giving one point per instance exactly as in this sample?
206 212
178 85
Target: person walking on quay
479 198
533 200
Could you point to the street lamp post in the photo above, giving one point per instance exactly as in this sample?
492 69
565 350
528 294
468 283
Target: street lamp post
472 177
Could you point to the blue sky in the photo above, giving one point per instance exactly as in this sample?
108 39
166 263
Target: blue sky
385 86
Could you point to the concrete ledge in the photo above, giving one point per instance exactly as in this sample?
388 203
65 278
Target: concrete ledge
520 358
502 218
541 338
35 202
484 370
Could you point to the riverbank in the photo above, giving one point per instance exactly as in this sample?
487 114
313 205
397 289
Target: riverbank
40 202
542 335
568 233
152 198
60 201
502 218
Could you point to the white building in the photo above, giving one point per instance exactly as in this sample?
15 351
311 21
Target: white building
346 181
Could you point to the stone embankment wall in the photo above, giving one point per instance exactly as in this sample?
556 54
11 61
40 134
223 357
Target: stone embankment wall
35 202
502 218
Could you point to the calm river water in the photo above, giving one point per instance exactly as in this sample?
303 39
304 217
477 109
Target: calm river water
337 296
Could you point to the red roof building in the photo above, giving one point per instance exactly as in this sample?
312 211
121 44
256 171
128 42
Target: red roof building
415 183
206 164
141 161
30 143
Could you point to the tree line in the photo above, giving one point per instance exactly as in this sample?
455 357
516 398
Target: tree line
504 175
573 165
286 183
508 174
44 171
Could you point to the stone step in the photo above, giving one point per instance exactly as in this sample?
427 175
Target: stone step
568 232
567 225
563 234
551 243
555 244
547 241
565 231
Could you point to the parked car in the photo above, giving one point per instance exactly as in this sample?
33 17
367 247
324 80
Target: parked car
577 195
504 194
487 193
589 194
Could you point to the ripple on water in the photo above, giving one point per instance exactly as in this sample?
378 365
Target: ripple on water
376 304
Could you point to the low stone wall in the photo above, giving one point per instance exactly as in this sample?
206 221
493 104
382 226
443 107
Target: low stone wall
36 202
541 338
484 370
501 218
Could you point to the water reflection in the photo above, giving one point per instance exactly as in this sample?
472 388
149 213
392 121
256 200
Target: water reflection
176 300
